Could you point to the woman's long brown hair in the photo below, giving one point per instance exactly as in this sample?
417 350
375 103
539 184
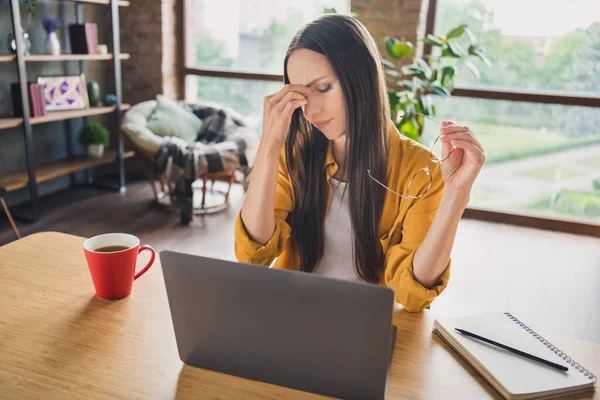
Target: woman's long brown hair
350 49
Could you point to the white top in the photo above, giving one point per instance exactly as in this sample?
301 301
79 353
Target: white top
338 257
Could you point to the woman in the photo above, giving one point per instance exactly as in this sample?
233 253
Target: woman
314 201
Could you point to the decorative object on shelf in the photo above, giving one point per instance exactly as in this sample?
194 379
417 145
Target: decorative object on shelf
95 137
36 99
12 43
93 90
102 49
84 38
110 99
64 92
52 44
84 90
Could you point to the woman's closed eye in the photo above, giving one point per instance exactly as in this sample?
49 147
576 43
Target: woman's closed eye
326 89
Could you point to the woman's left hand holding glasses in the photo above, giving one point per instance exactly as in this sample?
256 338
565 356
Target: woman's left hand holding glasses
461 167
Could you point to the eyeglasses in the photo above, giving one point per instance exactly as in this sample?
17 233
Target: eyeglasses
425 170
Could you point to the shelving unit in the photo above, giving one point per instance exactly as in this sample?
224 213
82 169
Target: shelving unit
35 174
63 57
45 172
73 57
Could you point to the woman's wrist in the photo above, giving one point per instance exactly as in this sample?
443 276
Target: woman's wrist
456 200
268 148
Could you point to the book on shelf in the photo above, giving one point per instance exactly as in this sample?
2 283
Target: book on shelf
36 99
84 38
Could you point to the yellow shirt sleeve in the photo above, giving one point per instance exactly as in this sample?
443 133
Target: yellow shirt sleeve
399 257
248 251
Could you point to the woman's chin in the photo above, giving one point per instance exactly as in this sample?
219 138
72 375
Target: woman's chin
333 136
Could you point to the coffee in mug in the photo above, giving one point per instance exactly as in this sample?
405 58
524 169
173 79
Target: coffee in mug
112 259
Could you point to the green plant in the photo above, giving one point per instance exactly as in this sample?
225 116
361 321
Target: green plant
31 6
93 133
415 84
596 184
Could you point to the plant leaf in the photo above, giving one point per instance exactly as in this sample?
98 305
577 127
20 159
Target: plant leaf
424 66
409 128
433 40
413 70
389 46
426 104
393 73
471 35
456 32
448 73
483 57
394 99
406 84
473 69
387 63
455 50
397 49
440 90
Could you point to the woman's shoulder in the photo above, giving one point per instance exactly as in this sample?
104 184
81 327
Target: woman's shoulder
405 153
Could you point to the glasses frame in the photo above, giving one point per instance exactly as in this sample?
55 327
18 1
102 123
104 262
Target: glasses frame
432 159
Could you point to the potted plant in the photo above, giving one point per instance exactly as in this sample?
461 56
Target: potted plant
95 137
413 86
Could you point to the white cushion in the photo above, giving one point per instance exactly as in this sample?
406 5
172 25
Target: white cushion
134 125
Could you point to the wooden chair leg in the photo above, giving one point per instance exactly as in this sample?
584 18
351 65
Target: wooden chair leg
204 184
152 182
231 181
9 215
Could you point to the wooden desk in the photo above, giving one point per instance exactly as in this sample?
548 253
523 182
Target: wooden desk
57 340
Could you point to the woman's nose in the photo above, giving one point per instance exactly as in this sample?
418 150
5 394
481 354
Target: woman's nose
312 108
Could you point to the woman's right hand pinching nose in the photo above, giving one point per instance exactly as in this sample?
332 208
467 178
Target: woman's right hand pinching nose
277 115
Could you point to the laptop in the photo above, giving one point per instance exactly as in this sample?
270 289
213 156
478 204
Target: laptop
288 328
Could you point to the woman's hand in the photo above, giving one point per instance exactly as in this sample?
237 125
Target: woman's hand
463 165
277 116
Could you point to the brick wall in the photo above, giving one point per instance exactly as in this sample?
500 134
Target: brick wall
404 19
148 33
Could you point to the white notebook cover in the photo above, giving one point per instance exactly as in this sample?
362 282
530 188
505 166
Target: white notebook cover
512 375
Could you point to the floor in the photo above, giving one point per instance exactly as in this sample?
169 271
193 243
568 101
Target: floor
547 279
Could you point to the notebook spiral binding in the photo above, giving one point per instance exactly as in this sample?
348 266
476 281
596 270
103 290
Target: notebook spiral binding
553 348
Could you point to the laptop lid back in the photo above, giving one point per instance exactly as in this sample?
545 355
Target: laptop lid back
289 328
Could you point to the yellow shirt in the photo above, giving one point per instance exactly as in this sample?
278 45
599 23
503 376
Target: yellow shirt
403 226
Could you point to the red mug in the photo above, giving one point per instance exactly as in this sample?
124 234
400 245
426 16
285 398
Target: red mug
111 259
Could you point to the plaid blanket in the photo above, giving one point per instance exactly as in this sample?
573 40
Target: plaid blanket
222 144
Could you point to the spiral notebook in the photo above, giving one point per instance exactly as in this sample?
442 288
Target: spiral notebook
515 377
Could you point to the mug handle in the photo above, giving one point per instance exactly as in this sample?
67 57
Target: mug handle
142 248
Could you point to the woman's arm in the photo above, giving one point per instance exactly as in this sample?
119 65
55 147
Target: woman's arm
433 255
459 172
258 210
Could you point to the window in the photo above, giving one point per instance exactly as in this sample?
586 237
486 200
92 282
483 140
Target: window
239 37
533 44
543 160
